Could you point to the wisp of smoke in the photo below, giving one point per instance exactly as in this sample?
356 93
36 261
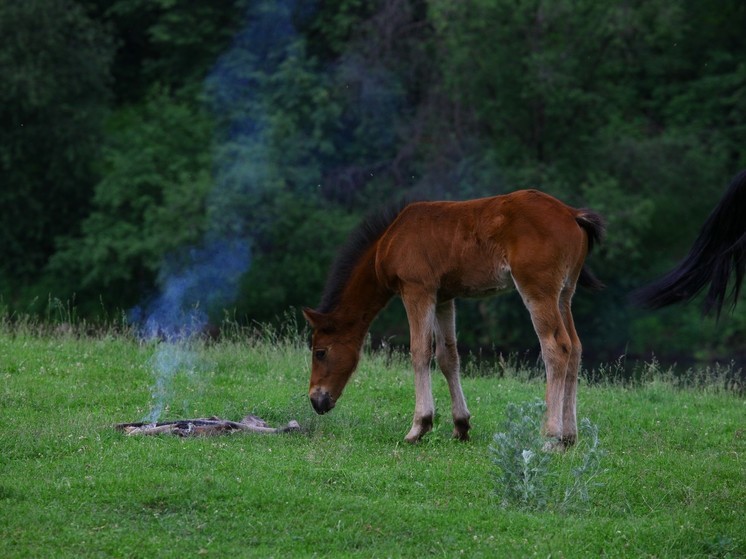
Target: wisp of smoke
193 284
169 360
196 283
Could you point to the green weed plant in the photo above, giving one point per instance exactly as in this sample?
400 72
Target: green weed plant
528 477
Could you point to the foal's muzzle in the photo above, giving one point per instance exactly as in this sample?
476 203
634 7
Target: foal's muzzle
321 401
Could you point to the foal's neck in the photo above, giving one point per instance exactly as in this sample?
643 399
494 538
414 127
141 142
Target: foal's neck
362 298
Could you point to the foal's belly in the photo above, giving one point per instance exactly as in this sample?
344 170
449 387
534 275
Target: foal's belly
484 293
474 284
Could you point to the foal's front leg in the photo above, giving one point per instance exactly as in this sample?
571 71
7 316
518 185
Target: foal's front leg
446 354
421 315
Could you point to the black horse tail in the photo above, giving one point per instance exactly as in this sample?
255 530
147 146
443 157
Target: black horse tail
718 252
595 227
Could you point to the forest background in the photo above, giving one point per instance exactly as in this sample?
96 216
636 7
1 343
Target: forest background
165 155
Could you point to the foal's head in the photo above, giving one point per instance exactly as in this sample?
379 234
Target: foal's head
334 356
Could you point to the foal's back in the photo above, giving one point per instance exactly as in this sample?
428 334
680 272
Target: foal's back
472 248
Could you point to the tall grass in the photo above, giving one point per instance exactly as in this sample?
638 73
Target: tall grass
670 484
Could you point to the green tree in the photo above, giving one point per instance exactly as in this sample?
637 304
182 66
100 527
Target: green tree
168 42
151 201
289 269
629 107
281 123
294 153
54 91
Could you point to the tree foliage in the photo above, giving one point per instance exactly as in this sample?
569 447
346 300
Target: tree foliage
133 130
54 93
150 202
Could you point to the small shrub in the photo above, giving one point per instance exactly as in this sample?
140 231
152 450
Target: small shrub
527 477
522 467
584 476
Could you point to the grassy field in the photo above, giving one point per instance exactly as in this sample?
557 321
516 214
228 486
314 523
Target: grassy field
674 479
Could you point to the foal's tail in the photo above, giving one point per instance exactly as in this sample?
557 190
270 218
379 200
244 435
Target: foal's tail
718 252
595 227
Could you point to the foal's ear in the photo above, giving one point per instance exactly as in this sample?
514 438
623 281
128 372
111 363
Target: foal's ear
314 318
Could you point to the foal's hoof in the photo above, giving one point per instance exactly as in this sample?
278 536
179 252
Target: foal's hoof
554 445
414 435
461 429
419 430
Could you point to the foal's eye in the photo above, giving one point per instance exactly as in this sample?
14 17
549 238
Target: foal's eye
319 354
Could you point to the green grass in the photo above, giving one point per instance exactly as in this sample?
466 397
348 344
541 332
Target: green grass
347 486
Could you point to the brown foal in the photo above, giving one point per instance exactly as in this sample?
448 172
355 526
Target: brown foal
430 253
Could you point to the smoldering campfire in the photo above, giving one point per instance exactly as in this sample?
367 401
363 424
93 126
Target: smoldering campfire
206 427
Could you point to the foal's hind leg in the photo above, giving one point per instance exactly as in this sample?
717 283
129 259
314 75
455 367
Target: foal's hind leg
446 354
569 416
556 348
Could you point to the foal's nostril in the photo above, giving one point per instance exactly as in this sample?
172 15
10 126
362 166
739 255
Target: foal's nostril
321 402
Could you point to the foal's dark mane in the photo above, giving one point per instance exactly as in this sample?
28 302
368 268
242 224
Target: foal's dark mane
359 240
